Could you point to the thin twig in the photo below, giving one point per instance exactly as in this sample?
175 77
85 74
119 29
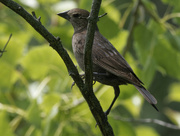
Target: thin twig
34 15
154 121
102 15
56 44
2 51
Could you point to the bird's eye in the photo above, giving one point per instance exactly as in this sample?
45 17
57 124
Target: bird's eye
76 15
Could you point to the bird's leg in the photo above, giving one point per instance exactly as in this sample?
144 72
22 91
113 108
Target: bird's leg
116 92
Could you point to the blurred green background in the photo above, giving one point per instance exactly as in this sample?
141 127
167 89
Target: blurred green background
35 89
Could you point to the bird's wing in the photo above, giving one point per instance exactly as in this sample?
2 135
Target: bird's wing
107 57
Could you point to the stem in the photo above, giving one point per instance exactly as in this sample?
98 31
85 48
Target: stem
55 43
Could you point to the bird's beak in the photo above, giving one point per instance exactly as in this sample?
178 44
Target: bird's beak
64 15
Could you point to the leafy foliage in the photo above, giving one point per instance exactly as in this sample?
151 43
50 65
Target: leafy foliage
35 88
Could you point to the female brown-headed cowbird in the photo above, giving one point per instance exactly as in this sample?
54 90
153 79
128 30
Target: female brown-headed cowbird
109 67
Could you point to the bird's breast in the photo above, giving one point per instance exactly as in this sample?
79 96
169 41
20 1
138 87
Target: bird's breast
78 43
78 49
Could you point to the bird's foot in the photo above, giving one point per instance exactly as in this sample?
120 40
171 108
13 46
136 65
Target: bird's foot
83 77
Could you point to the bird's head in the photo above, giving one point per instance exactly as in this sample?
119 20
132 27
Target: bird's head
77 17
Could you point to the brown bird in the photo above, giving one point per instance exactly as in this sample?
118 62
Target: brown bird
109 67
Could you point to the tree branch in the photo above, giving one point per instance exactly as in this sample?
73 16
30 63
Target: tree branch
55 43
94 105
154 121
92 20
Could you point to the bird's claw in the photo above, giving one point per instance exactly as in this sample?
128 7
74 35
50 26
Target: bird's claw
94 82
72 85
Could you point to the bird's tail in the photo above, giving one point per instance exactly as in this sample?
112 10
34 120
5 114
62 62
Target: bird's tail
147 95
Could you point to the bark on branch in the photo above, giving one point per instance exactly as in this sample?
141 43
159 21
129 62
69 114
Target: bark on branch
55 43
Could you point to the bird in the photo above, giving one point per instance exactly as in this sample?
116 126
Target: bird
108 65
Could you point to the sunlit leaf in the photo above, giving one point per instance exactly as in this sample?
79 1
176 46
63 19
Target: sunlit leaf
174 41
49 101
40 61
174 116
172 2
113 13
6 75
174 93
5 128
122 128
120 40
145 40
167 57
146 131
108 25
33 114
14 49
149 70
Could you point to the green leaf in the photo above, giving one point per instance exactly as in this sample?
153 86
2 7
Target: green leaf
119 41
5 129
144 41
156 28
174 93
122 128
14 49
113 13
172 2
151 7
174 40
108 25
145 131
8 76
49 101
173 115
33 114
149 70
167 57
41 61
